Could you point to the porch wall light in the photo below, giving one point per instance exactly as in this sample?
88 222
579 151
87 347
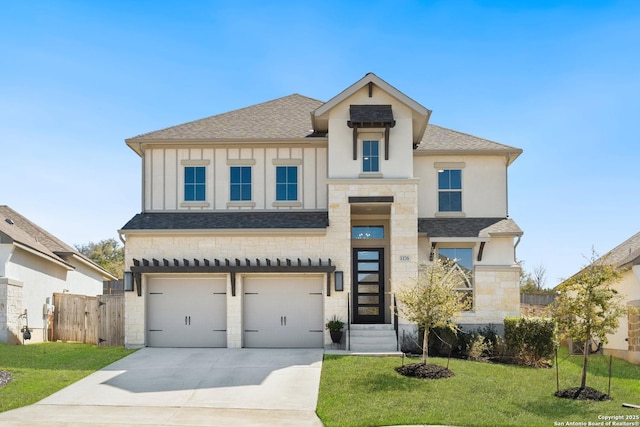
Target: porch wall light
128 281
339 281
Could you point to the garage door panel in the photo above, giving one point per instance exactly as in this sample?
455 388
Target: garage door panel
283 312
186 312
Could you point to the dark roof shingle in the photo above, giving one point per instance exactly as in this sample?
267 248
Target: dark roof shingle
228 220
467 227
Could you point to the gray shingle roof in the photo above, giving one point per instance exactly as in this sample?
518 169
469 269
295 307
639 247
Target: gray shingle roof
624 255
437 138
19 229
467 227
35 232
228 220
627 252
289 117
283 118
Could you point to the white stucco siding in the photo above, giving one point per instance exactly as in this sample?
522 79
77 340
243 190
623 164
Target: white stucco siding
484 184
164 176
84 280
629 288
498 251
341 163
5 253
41 279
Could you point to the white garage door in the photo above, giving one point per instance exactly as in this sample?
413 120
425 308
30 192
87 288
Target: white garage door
186 312
283 311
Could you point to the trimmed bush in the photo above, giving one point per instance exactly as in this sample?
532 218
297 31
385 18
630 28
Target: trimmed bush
531 339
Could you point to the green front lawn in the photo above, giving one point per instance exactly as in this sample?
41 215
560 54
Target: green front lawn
366 391
39 370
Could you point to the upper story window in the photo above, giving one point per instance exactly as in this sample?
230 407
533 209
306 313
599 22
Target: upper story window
240 183
286 183
195 183
450 190
370 156
463 259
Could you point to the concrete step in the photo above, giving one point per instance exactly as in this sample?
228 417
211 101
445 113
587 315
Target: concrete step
373 338
373 348
372 333
371 327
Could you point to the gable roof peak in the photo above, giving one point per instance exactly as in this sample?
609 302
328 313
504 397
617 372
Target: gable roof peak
421 114
21 231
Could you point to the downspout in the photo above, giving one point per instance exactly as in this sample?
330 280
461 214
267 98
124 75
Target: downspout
515 258
506 185
143 175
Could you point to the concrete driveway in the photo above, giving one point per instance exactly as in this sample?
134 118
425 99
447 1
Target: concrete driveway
188 387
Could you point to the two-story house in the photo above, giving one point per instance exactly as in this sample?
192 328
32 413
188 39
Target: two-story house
259 224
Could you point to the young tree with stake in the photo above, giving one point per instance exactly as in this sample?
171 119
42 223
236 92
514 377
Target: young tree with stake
588 306
433 299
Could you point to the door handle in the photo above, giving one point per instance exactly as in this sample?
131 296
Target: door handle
189 320
185 320
281 321
285 320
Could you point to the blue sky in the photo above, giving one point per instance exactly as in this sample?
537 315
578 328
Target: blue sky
559 79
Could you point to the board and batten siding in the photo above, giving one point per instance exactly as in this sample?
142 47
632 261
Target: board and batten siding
164 177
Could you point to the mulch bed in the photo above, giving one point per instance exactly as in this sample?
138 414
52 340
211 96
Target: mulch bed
578 393
420 370
5 378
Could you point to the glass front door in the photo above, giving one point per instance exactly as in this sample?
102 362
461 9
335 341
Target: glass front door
368 280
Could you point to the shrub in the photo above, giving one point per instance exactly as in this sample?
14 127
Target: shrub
531 339
444 341
473 344
477 348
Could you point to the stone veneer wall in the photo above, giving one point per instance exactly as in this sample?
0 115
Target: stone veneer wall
335 244
208 246
10 309
634 332
403 222
497 295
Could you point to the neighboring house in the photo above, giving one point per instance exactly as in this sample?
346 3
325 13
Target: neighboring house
33 265
625 343
260 224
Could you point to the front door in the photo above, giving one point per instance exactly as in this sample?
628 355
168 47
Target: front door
368 280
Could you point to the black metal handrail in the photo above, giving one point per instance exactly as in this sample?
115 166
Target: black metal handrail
349 321
395 320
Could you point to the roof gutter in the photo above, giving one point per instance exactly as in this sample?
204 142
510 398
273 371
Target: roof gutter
512 154
228 231
506 184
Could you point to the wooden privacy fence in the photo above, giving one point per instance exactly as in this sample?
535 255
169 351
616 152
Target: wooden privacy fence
90 320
